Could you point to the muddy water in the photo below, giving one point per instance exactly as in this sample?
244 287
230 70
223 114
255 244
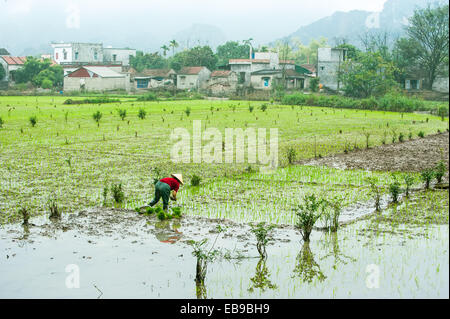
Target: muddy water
119 254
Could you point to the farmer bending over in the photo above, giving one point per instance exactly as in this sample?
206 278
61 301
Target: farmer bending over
167 188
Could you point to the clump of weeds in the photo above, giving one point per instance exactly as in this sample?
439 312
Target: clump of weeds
376 192
52 204
25 215
195 180
117 193
427 176
394 189
409 181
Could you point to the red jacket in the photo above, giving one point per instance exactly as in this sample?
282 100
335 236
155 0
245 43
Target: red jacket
172 182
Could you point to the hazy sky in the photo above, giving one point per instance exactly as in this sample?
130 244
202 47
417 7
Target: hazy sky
264 20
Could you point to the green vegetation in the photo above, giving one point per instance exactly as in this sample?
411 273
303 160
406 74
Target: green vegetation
100 152
308 213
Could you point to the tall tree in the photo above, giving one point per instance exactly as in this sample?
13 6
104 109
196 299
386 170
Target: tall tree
371 75
2 72
428 28
231 50
173 44
165 48
197 56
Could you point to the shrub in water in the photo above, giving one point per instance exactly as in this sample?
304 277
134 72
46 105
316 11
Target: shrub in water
33 120
195 180
1 122
263 236
291 154
439 171
421 134
97 116
376 192
427 176
307 215
142 113
117 193
409 181
122 113
394 188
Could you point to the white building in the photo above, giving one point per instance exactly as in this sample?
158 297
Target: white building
96 78
329 63
90 53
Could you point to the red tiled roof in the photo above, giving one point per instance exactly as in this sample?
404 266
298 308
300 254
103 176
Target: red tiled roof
191 70
249 60
220 74
14 60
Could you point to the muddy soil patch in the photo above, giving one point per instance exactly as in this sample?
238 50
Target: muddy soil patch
409 156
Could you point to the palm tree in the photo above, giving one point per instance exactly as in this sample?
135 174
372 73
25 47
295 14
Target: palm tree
249 43
174 44
165 48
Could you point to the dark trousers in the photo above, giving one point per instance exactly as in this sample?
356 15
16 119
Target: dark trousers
161 190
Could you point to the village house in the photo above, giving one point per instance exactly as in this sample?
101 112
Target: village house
11 64
96 78
90 53
329 64
265 69
221 82
192 77
153 78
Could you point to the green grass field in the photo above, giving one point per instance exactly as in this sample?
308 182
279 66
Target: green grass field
68 155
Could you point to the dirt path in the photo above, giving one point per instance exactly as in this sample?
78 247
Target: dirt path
409 156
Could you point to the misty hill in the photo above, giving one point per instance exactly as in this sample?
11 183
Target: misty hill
351 25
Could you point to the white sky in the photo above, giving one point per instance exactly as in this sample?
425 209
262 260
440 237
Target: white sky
264 20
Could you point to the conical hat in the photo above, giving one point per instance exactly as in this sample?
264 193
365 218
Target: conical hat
179 177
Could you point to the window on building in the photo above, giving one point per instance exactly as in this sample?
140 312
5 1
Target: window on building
114 57
76 55
322 68
65 54
95 55
56 56
142 83
266 82
414 84
241 77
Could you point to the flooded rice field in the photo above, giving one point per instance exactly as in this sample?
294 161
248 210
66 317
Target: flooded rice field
117 253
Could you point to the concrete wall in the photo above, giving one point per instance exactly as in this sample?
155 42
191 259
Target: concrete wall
257 81
221 85
441 84
121 55
78 52
96 84
329 62
193 81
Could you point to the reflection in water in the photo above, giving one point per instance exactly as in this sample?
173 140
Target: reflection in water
261 278
200 277
167 232
306 268
339 257
26 231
